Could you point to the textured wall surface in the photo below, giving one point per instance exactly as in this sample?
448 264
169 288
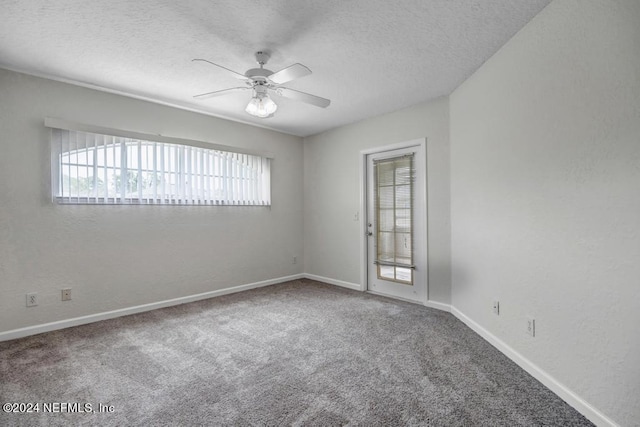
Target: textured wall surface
332 192
545 198
120 256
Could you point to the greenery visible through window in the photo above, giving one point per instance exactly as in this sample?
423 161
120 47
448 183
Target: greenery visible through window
102 169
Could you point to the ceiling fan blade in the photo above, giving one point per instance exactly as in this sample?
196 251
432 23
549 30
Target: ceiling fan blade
292 72
235 74
302 96
220 92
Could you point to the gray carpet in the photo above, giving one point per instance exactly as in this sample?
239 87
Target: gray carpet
298 353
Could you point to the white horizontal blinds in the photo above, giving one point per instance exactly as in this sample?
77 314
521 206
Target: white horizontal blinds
394 182
102 169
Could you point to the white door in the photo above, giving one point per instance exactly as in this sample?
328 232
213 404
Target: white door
395 226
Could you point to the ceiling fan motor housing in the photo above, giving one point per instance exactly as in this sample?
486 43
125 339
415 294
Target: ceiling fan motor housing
258 74
260 90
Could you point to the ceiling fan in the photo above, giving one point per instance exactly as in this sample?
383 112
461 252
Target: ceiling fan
262 81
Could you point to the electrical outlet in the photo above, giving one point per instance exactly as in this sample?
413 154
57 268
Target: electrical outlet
66 294
496 308
32 299
295 260
531 326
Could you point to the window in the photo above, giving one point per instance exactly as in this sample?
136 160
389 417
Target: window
393 197
94 168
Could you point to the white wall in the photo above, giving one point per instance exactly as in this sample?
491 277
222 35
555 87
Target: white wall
332 192
545 198
120 256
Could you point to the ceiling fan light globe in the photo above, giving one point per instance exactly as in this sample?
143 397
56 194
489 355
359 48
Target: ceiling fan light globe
261 107
269 106
252 107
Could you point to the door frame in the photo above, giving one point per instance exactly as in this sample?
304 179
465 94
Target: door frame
422 242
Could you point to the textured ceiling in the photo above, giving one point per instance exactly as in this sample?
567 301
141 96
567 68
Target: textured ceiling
368 56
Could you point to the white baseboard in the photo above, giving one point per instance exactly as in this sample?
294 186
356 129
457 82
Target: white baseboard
438 306
595 416
558 388
349 285
356 287
67 323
